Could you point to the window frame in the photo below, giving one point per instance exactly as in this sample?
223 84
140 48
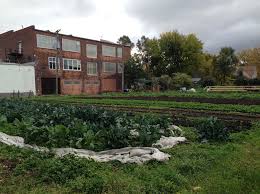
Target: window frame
91 45
110 72
42 44
92 83
121 56
53 61
72 65
71 82
96 66
108 55
71 50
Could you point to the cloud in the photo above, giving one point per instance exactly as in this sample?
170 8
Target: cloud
217 23
15 13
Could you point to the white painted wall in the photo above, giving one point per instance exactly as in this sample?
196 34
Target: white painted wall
17 77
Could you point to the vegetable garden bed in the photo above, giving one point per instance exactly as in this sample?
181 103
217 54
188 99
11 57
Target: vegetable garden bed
79 127
179 99
252 109
198 94
231 167
194 166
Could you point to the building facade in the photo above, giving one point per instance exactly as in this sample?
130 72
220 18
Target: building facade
84 66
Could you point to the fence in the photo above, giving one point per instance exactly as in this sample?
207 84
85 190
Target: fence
232 88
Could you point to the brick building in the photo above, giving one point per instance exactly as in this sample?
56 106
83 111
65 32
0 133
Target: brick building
84 66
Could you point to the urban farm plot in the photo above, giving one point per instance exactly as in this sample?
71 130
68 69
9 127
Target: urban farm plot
193 167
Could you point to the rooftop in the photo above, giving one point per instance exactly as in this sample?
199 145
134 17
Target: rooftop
64 35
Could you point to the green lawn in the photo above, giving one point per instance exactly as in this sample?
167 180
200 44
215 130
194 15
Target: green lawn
232 167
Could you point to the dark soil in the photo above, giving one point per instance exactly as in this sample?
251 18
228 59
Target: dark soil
184 99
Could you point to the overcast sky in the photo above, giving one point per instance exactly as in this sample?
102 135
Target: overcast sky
217 23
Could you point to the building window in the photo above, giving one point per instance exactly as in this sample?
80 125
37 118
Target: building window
119 52
70 45
120 68
109 67
108 51
92 82
71 82
48 42
52 63
71 64
91 51
92 68
20 47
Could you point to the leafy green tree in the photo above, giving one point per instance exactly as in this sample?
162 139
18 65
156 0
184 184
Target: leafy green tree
182 80
133 71
193 56
171 53
156 67
171 44
125 40
225 64
250 56
181 53
206 68
142 48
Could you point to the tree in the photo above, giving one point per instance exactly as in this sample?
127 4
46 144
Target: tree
181 53
155 65
125 40
250 57
171 53
206 68
193 54
133 71
225 64
171 44
142 48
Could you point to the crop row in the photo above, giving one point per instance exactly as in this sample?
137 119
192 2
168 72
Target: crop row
158 104
79 127
199 94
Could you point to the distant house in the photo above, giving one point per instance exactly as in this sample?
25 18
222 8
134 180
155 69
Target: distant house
249 71
84 66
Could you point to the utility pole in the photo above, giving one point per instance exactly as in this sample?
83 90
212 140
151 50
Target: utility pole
57 61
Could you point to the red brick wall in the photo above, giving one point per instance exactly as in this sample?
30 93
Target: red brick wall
72 88
109 85
1 55
106 82
10 40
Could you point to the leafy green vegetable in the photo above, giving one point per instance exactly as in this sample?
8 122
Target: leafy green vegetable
79 127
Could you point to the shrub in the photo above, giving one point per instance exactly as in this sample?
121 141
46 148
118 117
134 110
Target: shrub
182 80
166 82
208 81
141 85
212 129
91 185
241 81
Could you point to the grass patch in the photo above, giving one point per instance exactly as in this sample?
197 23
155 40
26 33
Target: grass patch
233 167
